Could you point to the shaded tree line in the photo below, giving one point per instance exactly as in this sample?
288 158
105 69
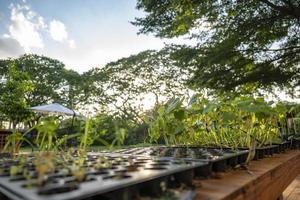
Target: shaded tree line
118 90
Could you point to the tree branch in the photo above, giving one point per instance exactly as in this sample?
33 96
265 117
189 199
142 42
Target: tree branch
274 50
284 10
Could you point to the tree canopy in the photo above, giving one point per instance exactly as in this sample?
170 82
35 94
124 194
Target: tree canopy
128 82
15 89
119 88
52 81
240 45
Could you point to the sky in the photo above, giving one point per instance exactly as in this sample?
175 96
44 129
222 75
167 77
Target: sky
81 33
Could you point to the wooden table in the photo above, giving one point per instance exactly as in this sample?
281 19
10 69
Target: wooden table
265 179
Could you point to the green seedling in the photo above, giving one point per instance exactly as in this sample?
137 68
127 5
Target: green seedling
14 170
78 172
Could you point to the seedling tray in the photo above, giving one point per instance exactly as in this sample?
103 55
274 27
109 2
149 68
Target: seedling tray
125 177
220 159
295 144
265 151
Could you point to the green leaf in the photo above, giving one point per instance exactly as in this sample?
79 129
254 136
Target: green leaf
179 114
161 110
228 116
172 104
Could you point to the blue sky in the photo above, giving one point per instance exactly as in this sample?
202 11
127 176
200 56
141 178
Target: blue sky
81 33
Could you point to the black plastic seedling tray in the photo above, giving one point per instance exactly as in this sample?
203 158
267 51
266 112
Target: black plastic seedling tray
295 144
219 159
126 177
265 151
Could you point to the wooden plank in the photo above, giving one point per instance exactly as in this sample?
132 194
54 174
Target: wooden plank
295 195
292 192
289 190
265 179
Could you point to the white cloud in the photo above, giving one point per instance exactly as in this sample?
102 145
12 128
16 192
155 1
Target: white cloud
6 35
30 14
25 27
59 33
72 44
41 22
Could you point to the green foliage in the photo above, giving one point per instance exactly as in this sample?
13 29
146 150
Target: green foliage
14 141
45 73
168 122
46 136
223 123
85 137
98 130
240 46
41 80
118 88
120 136
129 81
52 82
14 93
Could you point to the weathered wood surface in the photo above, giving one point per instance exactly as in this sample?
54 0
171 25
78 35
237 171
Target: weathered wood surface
293 190
265 179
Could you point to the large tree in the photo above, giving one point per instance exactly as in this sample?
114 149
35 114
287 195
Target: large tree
52 81
71 92
130 82
240 45
15 89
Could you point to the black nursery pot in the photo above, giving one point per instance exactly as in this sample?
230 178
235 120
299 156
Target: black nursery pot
204 171
283 146
298 144
233 161
153 188
259 154
276 149
227 159
177 179
268 151
124 194
295 144
219 166
242 158
287 145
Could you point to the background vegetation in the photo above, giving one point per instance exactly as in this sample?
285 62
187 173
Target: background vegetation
241 48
